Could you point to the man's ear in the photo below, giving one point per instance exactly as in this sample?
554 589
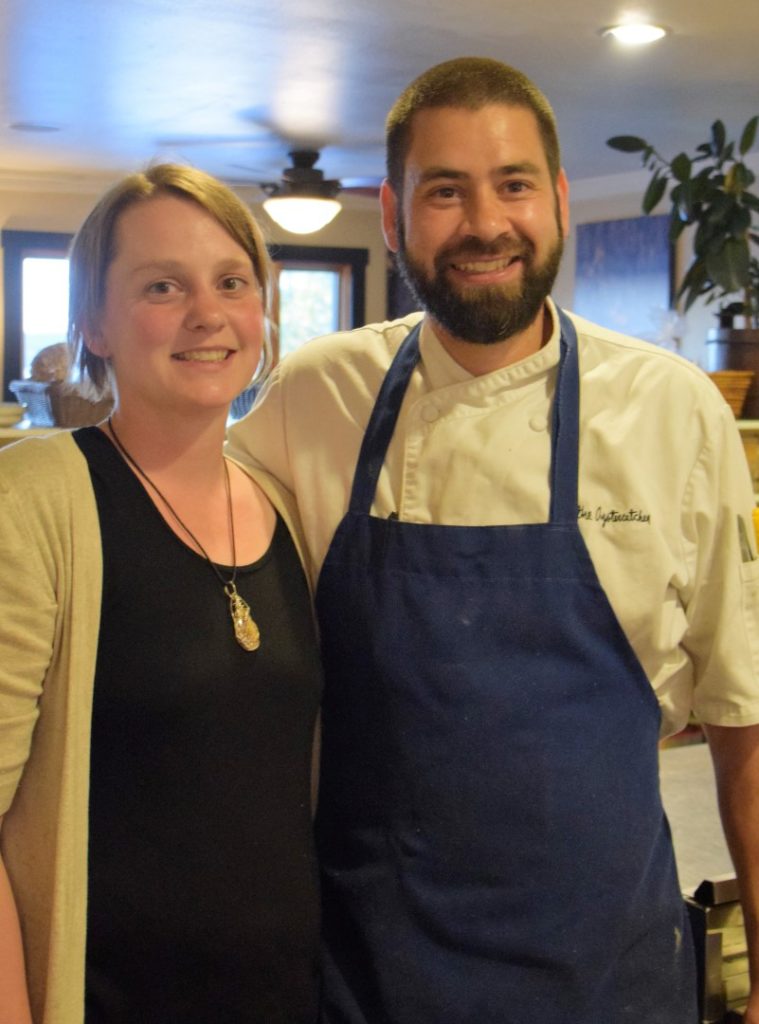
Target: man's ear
562 197
389 205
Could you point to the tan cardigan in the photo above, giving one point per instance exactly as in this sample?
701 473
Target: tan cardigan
51 571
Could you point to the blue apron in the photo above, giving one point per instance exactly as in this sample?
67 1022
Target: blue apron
493 844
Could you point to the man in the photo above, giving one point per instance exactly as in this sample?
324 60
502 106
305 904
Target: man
526 542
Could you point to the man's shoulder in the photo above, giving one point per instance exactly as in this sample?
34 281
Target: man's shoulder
377 342
631 370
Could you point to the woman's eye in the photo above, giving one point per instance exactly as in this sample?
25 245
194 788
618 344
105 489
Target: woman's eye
233 284
160 287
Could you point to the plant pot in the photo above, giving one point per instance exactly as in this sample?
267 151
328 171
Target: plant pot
736 348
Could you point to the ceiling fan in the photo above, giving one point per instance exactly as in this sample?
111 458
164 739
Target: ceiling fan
303 200
303 178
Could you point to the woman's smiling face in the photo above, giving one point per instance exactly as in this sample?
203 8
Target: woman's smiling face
182 322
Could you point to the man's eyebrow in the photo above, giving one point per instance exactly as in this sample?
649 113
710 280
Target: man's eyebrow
433 173
437 172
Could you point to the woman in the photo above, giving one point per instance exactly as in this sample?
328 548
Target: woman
156 647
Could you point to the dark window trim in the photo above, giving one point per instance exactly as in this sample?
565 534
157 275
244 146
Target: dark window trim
16 246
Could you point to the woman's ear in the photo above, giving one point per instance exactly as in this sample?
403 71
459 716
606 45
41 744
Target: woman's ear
95 341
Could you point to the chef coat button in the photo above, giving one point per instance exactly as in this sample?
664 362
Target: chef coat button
430 413
538 422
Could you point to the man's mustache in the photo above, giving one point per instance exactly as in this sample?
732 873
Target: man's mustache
503 247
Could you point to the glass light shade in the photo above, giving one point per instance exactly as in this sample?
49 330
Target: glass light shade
301 214
635 34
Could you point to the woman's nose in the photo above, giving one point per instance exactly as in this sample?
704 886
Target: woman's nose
205 311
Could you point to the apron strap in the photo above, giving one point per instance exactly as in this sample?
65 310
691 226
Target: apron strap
379 430
565 429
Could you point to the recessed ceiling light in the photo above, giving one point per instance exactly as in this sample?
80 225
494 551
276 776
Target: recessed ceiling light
635 33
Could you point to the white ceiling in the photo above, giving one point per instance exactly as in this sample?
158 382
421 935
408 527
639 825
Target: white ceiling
232 85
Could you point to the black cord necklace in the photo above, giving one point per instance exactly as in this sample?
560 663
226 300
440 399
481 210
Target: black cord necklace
246 631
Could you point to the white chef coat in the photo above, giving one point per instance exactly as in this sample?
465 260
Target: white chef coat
663 479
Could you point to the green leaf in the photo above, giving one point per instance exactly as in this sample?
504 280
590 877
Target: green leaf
720 207
703 187
694 283
676 228
681 167
728 267
739 222
748 135
627 143
718 138
657 186
743 177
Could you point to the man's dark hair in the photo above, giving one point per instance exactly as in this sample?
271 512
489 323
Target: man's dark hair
471 83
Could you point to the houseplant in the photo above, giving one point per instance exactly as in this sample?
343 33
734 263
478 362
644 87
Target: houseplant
711 190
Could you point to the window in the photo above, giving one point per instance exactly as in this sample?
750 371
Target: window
35 288
320 289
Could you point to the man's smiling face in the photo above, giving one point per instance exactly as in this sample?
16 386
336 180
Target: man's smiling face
479 228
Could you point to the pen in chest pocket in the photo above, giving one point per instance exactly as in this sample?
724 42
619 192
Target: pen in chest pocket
746 551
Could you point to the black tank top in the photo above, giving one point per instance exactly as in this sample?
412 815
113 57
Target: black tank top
203 903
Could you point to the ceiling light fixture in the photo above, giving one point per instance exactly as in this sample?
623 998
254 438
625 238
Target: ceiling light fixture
303 202
303 215
635 33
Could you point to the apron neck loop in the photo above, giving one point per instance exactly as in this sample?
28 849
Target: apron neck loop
379 430
565 430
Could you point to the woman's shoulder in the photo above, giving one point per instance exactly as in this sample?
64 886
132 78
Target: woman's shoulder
44 464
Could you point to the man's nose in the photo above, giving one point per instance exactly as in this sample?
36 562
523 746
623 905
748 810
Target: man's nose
487 215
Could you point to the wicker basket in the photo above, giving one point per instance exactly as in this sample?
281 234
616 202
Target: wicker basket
58 404
733 385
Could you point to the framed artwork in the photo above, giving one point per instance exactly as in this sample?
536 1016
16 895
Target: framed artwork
624 276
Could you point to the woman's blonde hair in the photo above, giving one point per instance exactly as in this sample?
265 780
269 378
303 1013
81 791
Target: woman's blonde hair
94 249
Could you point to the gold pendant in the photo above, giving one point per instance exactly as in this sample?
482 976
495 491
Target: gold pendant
246 630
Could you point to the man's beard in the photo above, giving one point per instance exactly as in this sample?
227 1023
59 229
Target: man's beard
490 313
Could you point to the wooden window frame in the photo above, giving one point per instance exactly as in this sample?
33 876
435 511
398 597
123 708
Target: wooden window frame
349 263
